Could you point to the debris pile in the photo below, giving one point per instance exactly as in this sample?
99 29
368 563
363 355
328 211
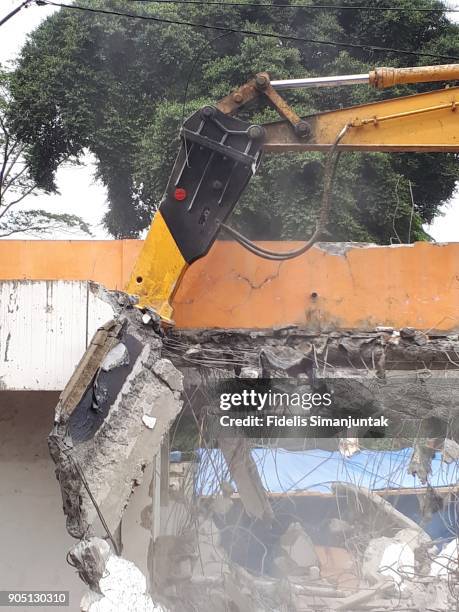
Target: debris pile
114 583
389 572
240 548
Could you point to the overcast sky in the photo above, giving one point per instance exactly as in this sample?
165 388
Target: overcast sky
80 193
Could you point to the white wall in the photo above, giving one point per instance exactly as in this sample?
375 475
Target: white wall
45 327
33 539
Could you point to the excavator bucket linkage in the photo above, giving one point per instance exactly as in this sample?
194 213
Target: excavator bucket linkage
118 404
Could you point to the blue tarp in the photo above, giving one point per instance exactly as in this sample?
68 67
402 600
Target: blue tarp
284 471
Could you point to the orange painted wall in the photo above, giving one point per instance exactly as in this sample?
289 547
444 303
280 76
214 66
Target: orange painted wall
105 261
361 288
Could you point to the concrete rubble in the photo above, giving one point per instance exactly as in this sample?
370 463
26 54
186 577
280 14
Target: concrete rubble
395 565
202 577
296 555
388 557
367 372
195 573
447 561
116 585
110 424
394 570
450 451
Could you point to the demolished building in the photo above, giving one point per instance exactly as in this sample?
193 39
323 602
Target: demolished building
220 502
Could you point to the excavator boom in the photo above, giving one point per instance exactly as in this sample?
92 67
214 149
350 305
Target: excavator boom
218 156
425 122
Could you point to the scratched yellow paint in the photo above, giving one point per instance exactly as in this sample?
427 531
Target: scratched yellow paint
158 269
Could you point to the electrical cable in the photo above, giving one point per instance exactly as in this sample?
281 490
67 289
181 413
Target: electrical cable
67 453
294 5
245 32
330 170
14 11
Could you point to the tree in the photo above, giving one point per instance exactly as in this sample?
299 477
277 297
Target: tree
117 86
17 182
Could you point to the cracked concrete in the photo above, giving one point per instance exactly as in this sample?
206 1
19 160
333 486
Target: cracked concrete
341 248
367 373
119 447
100 442
212 295
253 285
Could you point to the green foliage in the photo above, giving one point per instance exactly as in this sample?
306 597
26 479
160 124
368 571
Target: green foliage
117 87
185 435
18 181
40 222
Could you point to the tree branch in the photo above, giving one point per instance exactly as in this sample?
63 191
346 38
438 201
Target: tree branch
12 181
5 153
14 161
17 182
10 204
40 222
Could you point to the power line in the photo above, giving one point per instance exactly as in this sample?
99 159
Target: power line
245 32
325 7
14 12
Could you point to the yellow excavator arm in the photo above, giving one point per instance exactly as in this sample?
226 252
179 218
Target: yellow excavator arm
220 153
120 372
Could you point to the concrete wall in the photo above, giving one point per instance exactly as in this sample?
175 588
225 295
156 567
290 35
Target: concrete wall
331 286
45 324
33 538
45 327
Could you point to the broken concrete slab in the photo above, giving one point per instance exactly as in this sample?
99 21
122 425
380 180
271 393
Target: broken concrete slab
116 357
351 349
280 359
429 400
415 538
169 374
446 563
100 442
296 553
373 554
90 557
397 562
367 371
119 585
450 451
250 372
244 472
362 503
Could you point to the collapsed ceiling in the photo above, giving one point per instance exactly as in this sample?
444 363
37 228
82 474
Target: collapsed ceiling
101 455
